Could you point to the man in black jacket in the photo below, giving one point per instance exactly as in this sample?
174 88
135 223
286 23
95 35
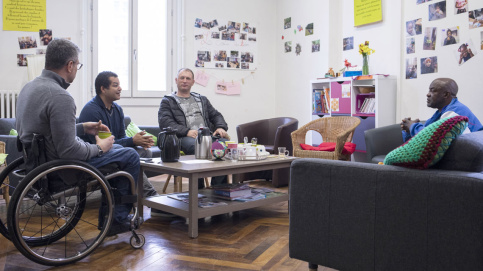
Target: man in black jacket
187 111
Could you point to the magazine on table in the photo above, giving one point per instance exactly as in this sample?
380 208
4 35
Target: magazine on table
183 196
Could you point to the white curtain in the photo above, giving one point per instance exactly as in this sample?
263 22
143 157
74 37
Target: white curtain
35 65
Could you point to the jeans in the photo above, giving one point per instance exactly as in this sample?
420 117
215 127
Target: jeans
188 147
128 160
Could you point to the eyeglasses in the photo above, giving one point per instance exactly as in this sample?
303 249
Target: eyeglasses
79 66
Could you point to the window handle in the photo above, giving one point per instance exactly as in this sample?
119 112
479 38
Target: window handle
135 54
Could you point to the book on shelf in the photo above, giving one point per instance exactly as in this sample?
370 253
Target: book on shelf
251 197
233 194
317 103
327 99
207 203
231 186
183 196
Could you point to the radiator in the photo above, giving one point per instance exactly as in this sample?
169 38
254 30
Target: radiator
8 103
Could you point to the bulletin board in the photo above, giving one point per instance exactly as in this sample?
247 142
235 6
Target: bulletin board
224 44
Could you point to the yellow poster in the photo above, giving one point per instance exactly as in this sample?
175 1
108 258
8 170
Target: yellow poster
24 15
367 11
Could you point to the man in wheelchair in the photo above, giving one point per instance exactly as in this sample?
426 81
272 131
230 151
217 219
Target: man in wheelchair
45 107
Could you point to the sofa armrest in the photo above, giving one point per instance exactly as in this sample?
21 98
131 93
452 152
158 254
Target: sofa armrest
152 129
380 141
361 216
10 147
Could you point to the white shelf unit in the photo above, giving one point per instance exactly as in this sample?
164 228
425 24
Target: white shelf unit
384 95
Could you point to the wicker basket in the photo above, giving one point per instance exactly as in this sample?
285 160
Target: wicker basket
367 89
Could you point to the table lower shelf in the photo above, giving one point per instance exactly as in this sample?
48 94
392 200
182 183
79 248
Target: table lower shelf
181 208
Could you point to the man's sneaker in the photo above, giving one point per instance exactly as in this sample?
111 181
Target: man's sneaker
117 228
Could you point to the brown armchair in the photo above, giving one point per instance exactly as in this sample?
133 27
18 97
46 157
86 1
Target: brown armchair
272 133
332 129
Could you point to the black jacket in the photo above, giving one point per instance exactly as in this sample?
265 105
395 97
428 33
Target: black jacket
171 115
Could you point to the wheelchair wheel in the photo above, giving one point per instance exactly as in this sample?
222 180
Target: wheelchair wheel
54 215
7 172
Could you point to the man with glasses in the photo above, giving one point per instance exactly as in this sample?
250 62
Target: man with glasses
45 107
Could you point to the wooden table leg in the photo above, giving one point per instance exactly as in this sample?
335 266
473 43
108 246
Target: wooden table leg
193 206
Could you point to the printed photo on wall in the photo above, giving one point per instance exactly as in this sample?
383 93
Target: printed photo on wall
45 36
460 6
199 63
245 66
298 49
204 56
465 52
219 65
410 46
228 36
41 51
437 11
348 43
231 26
198 37
414 27
247 28
252 38
450 36
233 63
205 25
22 60
222 28
215 35
475 18
246 57
429 65
219 56
288 46
287 23
27 42
315 46
422 1
429 41
213 23
198 22
411 68
243 36
309 29
233 53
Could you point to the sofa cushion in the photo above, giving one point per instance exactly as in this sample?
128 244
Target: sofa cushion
464 154
348 149
429 145
132 129
6 125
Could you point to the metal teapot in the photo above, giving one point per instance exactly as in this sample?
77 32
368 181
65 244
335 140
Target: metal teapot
203 144
169 145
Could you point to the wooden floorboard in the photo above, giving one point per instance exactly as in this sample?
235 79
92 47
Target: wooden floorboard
254 239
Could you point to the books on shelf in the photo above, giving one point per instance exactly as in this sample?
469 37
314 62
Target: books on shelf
231 186
368 106
233 194
183 196
320 101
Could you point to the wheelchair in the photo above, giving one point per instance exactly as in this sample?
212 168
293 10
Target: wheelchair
60 211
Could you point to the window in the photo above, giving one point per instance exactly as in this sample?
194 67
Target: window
134 39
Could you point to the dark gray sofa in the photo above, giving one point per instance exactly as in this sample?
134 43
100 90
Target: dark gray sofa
362 216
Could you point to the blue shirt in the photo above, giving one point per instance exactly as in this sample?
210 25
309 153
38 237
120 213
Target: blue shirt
455 108
95 110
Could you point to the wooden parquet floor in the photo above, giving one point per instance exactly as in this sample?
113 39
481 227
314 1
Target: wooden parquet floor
253 239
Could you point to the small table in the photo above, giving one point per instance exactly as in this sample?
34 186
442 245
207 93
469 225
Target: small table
193 169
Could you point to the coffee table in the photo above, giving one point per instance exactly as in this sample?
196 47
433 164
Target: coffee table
193 169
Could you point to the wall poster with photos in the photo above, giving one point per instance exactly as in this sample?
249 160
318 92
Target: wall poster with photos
223 44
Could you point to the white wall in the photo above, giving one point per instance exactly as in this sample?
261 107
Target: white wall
258 93
65 18
293 93
468 76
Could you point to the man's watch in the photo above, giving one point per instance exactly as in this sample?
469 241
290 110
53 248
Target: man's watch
101 152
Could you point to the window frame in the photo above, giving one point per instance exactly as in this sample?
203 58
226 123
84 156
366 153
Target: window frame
174 17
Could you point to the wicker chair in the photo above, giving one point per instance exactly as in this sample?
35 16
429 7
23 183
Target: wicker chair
332 129
5 183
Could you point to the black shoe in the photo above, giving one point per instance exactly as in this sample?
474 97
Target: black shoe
159 213
117 228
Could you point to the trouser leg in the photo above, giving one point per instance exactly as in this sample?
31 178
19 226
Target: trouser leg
148 188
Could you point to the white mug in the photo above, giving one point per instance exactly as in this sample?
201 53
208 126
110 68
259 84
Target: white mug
282 152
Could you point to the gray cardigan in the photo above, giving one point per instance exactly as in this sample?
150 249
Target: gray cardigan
45 107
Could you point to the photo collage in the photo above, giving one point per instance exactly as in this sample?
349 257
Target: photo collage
448 36
309 31
30 42
225 44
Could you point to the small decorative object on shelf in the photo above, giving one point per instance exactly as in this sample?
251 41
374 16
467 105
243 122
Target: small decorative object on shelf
365 51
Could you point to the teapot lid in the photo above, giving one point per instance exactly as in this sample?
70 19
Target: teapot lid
204 131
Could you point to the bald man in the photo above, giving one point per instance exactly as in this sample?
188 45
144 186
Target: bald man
442 96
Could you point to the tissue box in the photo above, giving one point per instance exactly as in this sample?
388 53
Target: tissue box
352 73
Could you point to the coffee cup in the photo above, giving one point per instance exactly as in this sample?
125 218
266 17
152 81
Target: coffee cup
282 152
104 134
